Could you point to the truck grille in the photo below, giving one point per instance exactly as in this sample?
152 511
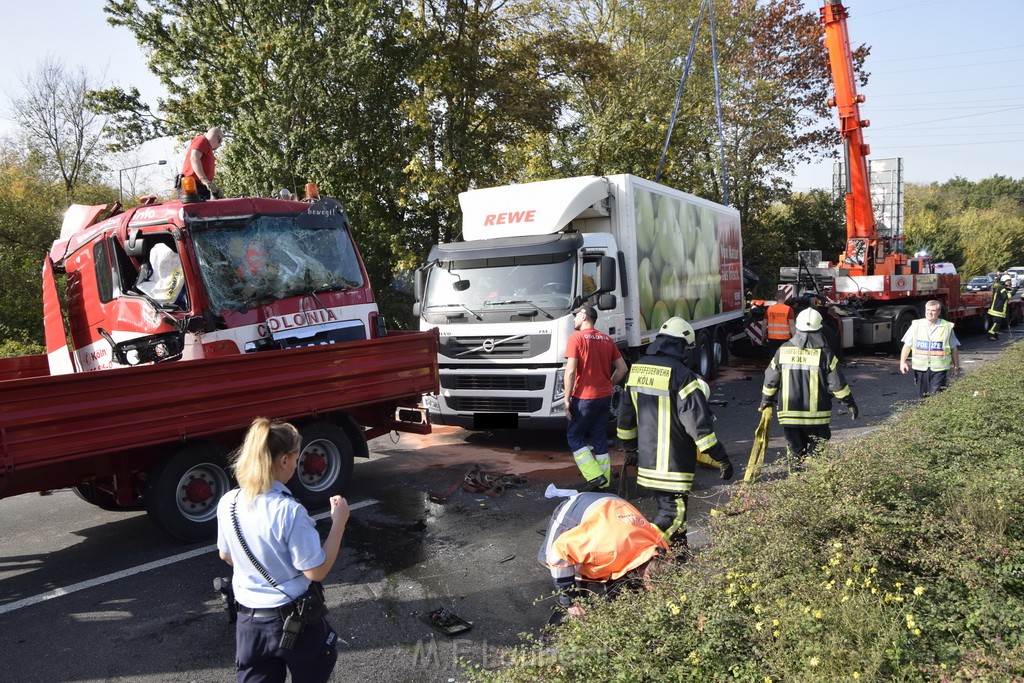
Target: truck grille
464 348
493 382
493 404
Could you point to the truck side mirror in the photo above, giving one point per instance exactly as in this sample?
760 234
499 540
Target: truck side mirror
608 268
420 283
606 302
416 309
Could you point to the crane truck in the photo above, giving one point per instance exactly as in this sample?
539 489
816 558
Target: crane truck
502 299
874 291
184 321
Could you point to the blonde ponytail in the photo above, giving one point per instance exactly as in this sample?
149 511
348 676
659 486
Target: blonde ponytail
254 462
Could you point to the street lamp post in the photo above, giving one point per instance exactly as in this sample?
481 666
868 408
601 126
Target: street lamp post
120 174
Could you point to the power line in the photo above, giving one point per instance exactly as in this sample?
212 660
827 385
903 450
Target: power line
943 92
943 68
952 144
946 54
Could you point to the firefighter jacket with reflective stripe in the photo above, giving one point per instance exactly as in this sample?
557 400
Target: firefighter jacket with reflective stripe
668 416
808 375
778 317
597 537
931 346
1000 297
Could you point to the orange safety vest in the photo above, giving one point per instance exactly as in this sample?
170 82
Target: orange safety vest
611 539
778 316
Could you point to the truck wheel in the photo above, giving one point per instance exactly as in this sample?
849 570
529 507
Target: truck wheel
899 328
720 350
325 464
182 491
702 355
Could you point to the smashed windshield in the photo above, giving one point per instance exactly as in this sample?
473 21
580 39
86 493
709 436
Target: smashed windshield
256 259
543 280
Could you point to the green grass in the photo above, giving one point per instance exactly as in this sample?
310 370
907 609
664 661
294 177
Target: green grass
893 557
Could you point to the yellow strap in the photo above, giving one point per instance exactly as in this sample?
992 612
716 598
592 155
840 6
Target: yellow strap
761 436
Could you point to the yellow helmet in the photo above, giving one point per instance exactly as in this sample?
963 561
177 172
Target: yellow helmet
679 328
809 320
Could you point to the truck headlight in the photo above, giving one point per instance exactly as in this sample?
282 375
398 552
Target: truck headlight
431 403
558 394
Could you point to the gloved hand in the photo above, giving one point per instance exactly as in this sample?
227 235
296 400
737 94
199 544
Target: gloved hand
725 470
214 190
854 410
765 405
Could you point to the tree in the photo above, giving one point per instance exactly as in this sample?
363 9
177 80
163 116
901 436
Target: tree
57 124
807 221
979 226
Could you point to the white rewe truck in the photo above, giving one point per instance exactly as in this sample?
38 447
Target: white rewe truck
502 299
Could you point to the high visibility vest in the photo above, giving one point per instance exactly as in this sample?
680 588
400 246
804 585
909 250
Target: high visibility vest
778 321
930 345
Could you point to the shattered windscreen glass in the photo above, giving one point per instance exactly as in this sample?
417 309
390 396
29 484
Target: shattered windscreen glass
252 260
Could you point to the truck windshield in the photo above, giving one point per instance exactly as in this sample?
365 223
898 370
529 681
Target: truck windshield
543 280
256 259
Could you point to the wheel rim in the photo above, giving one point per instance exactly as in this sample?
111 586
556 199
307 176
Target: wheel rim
198 491
703 357
319 465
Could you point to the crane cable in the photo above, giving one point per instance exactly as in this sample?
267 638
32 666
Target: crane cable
718 97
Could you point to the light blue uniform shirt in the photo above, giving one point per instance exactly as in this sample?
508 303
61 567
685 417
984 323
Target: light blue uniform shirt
282 537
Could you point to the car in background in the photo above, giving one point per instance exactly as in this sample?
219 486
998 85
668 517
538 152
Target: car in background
981 283
944 268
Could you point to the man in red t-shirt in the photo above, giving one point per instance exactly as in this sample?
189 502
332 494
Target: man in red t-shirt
593 366
200 164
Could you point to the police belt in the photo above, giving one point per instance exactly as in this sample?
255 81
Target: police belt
281 612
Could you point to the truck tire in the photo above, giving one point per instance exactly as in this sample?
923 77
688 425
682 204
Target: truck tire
702 358
183 489
325 464
720 350
899 328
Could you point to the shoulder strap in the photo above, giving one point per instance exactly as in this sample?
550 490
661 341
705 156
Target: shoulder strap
245 546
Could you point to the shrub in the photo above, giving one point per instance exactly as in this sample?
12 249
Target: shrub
897 556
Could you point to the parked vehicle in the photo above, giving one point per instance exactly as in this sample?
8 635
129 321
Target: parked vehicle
187 320
503 299
980 283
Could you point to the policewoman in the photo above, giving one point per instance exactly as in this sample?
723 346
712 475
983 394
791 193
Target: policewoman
269 539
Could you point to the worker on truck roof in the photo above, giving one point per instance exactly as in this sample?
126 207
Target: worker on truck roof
200 163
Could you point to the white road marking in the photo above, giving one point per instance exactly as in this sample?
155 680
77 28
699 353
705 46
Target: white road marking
124 573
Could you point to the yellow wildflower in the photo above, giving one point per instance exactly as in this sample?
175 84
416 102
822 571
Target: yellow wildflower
855 674
873 570
682 598
818 614
849 582
775 622
917 631
813 661
919 590
837 545
758 625
757 609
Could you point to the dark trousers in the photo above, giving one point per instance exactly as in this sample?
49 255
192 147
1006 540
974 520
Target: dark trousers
589 424
670 517
258 659
930 382
802 440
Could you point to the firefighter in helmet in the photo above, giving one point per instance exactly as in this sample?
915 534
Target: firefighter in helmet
810 377
997 310
666 418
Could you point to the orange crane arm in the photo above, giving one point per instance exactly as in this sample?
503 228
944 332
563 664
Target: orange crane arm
860 218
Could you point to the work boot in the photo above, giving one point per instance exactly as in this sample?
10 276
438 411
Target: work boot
598 484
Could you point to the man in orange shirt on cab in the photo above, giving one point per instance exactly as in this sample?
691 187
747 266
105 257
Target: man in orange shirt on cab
781 322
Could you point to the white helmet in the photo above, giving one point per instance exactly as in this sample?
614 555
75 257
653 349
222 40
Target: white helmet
679 328
809 320
1006 279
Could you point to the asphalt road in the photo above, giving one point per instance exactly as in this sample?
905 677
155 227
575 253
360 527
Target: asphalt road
88 595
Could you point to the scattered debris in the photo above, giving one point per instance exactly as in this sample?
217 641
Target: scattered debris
718 402
447 622
891 393
475 480
510 557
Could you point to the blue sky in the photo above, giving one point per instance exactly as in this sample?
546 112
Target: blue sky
946 91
